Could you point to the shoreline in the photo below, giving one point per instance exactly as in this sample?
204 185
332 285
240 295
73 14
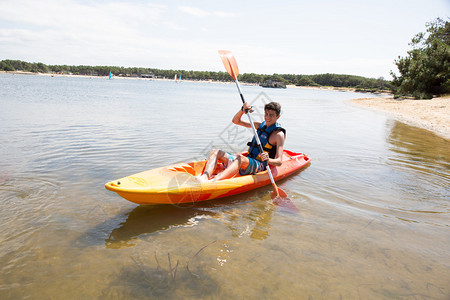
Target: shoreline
337 89
322 88
289 86
432 115
114 77
123 78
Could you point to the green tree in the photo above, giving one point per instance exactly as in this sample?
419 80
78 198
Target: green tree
426 70
306 81
6 66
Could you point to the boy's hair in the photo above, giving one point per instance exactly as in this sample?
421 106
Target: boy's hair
275 106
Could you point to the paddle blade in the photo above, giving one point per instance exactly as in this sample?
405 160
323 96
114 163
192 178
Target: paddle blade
230 63
286 204
278 193
281 199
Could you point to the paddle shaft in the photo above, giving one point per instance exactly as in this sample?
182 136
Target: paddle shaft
256 135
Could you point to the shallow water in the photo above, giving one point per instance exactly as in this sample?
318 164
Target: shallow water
374 203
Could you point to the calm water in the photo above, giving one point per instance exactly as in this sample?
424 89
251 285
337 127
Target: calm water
374 204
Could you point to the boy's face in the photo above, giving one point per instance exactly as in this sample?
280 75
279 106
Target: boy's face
270 116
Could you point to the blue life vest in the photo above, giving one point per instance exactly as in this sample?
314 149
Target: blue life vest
264 134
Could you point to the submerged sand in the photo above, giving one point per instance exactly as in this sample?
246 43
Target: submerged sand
432 115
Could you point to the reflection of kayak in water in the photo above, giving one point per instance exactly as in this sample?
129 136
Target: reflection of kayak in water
176 183
147 219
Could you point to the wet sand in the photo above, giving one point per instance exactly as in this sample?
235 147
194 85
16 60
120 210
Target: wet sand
432 115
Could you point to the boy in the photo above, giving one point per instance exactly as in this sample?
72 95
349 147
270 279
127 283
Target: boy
272 137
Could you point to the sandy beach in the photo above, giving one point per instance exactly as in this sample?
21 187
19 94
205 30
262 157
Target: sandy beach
323 88
432 115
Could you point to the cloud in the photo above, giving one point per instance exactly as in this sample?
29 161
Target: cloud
197 12
72 17
68 30
174 26
223 14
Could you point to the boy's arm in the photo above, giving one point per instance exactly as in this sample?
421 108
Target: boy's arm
237 119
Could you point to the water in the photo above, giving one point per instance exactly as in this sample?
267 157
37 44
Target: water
374 204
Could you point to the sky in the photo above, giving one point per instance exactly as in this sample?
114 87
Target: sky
357 37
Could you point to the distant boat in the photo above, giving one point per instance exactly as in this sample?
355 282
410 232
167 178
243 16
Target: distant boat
110 75
175 78
180 78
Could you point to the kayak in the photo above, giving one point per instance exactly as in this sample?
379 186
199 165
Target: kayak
176 184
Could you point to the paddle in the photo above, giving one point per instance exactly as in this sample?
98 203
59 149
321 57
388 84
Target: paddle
278 195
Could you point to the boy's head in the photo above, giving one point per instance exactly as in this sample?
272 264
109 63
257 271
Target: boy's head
275 106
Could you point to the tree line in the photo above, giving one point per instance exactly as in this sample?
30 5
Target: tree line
334 80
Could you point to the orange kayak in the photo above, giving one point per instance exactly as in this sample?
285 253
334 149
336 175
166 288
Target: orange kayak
176 184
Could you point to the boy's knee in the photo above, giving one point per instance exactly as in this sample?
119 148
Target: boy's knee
213 152
240 158
243 161
216 152
221 153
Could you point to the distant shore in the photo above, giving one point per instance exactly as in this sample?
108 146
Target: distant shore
106 77
324 88
432 115
327 88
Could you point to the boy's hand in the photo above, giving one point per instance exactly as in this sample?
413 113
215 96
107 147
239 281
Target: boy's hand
264 156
